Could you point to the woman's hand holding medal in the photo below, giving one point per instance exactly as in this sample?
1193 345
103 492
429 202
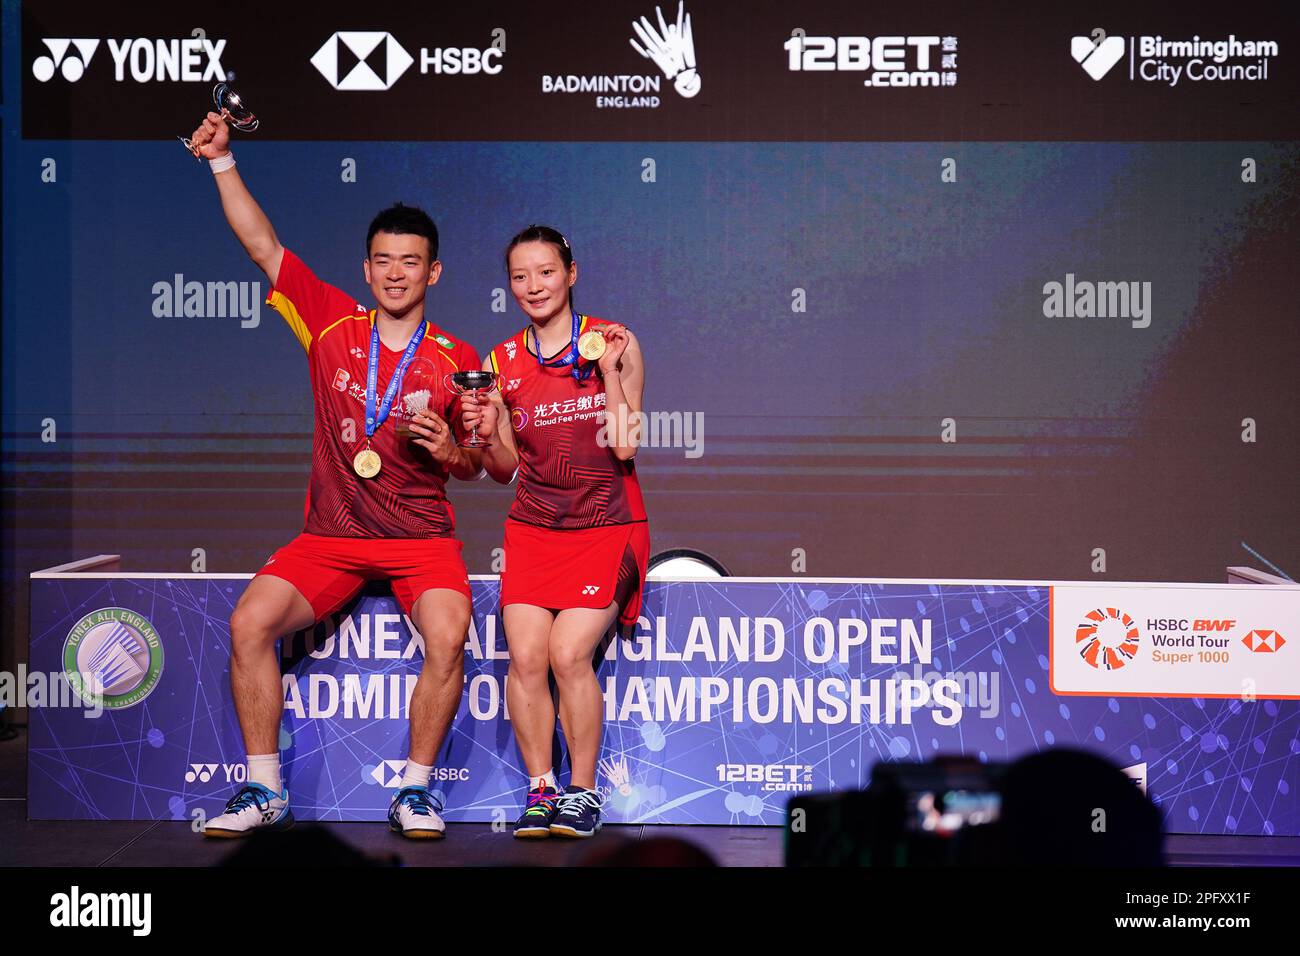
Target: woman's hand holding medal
612 346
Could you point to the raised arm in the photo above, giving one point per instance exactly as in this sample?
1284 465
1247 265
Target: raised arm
623 369
247 221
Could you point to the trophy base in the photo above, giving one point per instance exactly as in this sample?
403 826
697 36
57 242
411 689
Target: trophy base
473 442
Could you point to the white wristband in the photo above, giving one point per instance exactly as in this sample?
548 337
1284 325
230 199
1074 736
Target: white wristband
222 163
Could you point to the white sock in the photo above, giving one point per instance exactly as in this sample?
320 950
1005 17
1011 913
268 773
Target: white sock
416 774
265 769
543 779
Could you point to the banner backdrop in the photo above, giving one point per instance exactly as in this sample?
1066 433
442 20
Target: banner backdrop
954 290
731 696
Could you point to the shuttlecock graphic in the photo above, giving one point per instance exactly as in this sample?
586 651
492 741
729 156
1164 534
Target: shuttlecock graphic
671 47
616 771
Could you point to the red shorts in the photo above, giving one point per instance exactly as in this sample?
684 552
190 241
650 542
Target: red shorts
588 567
329 572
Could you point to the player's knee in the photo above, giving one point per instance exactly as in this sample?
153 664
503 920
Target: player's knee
250 629
569 661
529 664
444 647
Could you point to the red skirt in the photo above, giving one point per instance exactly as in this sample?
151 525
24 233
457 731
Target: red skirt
587 567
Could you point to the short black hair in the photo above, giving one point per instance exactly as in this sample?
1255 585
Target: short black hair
402 220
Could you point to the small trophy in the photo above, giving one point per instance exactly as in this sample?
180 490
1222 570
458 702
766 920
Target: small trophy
471 381
418 384
232 110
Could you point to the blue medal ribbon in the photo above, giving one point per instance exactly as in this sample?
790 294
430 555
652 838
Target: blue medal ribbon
580 372
375 419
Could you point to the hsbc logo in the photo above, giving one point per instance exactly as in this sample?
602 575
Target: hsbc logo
388 773
1264 642
190 60
362 60
369 61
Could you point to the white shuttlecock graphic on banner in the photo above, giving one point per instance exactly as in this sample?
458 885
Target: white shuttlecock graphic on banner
616 771
671 47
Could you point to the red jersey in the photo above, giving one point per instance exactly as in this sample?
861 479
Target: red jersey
566 478
407 499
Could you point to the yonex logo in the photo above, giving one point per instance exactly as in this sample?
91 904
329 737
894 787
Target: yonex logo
1264 642
1109 638
513 384
147 60
590 589
361 61
201 772
72 67
1098 53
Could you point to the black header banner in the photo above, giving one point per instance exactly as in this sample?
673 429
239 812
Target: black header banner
695 70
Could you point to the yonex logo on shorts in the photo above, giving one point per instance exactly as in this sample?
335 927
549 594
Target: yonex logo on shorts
590 589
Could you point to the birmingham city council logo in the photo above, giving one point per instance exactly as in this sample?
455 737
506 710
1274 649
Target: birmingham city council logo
1098 53
113 656
1107 638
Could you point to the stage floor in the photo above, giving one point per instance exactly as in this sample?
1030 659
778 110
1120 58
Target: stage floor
172 843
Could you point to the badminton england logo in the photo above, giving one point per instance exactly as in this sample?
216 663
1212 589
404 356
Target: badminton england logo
670 46
117 650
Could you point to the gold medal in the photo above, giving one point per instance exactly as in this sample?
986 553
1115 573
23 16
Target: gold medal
367 463
591 346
